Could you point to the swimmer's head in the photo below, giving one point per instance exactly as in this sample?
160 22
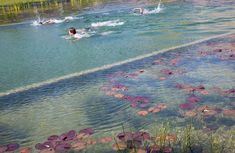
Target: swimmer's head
40 22
72 31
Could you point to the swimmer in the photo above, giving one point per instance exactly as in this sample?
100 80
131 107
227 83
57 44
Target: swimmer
50 21
78 34
72 31
139 10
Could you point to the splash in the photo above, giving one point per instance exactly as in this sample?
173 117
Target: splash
111 23
40 21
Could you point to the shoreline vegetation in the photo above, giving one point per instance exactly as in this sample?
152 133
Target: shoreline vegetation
15 11
161 139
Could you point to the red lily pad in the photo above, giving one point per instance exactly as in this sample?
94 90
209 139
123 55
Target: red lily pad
143 113
229 112
3 149
62 147
119 146
45 145
106 140
79 146
26 150
186 106
193 99
49 150
53 138
88 131
13 147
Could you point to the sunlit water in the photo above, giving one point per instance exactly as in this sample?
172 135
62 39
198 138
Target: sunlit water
32 54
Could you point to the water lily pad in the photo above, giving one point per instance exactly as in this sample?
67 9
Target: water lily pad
106 140
83 136
229 112
190 114
45 145
49 150
26 150
143 113
161 106
91 141
124 136
187 106
3 149
89 131
193 99
79 146
53 138
119 146
62 147
12 147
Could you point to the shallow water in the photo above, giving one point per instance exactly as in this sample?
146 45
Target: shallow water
31 54
107 99
96 99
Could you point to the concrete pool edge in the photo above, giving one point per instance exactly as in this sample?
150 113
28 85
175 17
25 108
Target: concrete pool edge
105 67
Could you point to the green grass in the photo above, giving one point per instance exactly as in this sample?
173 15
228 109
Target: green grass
12 2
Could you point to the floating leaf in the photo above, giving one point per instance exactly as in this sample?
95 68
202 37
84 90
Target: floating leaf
193 99
49 150
3 149
143 113
119 146
26 150
53 138
190 114
45 145
229 112
79 146
187 106
62 147
89 131
106 140
12 147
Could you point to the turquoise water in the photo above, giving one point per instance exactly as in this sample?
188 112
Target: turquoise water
107 99
181 80
31 54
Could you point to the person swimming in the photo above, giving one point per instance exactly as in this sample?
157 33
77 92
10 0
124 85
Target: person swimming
49 21
79 33
139 10
54 21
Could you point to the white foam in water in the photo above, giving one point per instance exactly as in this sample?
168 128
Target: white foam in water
77 74
154 11
111 23
106 33
54 21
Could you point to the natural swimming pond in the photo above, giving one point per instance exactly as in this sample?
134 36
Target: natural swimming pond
31 54
131 105
188 85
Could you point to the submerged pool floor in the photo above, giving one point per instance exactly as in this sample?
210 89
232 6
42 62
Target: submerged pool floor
193 84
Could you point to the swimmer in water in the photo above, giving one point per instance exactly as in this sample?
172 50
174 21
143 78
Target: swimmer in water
72 31
80 33
50 21
139 10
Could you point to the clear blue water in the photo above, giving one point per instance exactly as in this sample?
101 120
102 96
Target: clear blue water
31 54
